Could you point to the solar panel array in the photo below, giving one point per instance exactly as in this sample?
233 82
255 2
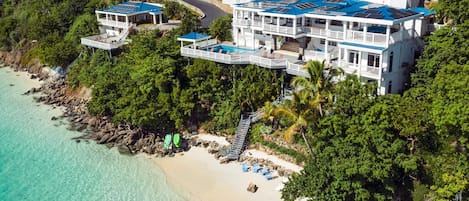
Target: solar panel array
304 6
370 13
282 10
397 14
124 8
335 1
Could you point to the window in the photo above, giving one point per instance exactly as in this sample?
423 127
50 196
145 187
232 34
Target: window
331 43
336 23
353 57
322 41
389 87
320 21
391 58
373 60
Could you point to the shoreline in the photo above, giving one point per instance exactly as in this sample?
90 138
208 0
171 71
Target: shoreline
207 179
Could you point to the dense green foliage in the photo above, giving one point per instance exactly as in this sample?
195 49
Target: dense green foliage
408 147
221 28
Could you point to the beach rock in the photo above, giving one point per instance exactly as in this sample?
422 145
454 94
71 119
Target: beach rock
252 187
54 118
123 149
224 161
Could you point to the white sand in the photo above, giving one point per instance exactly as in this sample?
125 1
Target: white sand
24 76
199 176
218 139
276 160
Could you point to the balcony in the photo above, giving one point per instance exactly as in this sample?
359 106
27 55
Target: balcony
103 41
241 22
297 68
214 56
318 31
268 62
113 23
316 55
369 38
282 29
364 71
256 23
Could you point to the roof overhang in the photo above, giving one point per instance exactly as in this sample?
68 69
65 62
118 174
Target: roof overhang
361 47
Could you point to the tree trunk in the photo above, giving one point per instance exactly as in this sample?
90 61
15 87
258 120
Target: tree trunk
320 109
310 150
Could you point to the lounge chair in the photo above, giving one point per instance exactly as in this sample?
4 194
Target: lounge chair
220 51
255 168
280 56
265 170
268 176
272 56
245 167
228 52
264 54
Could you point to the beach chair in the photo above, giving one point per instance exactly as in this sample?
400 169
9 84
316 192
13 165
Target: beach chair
265 170
245 167
255 168
268 176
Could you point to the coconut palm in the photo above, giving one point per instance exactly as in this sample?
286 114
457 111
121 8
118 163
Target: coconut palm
300 111
318 83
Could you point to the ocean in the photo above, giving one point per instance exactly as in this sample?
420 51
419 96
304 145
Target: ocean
39 160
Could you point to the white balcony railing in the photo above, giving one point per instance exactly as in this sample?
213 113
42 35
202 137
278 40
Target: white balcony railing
241 22
103 41
282 29
256 23
296 69
206 43
114 23
370 38
366 71
316 55
215 56
267 62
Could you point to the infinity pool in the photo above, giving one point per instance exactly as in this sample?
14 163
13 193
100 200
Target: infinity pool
228 48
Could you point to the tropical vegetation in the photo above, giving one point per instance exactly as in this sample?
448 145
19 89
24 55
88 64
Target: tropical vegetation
359 146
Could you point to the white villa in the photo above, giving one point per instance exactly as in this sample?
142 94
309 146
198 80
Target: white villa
116 21
376 39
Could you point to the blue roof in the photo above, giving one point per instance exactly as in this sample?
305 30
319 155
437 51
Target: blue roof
132 7
363 46
424 11
194 36
352 8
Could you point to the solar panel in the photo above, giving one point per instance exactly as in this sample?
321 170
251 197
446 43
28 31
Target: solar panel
282 10
335 1
305 5
360 15
375 16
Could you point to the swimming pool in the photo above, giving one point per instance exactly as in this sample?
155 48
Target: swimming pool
228 48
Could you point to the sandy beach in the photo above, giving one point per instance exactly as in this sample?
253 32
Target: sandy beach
22 75
200 177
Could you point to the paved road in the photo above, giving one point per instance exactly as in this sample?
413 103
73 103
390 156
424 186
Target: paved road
211 11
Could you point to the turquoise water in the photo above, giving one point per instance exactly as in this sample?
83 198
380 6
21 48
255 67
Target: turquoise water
231 49
40 161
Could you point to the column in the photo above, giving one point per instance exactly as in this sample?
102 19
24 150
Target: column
278 24
359 63
388 34
365 30
344 24
294 26
346 54
161 18
413 28
252 39
154 19
327 28
252 18
339 62
263 22
127 21
401 30
117 19
326 52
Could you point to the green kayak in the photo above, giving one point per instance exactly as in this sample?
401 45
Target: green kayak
167 141
177 140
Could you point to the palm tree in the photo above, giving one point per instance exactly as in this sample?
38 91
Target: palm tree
300 111
318 83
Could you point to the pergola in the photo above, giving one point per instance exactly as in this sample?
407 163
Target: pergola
193 37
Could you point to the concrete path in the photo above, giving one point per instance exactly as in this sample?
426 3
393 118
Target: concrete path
211 11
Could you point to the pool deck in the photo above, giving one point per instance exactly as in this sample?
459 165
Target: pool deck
278 59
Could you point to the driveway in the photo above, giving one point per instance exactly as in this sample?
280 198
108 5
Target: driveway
211 11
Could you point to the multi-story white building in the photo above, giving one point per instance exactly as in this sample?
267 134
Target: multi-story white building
377 40
116 21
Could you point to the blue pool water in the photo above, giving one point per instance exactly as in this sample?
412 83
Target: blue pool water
231 49
40 161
